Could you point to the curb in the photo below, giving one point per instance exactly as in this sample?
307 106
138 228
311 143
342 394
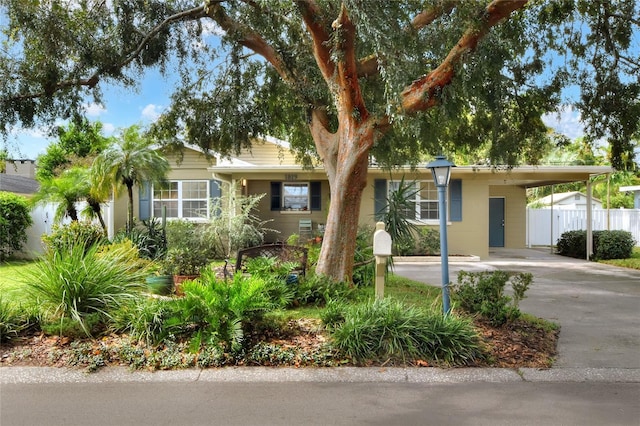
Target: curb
43 375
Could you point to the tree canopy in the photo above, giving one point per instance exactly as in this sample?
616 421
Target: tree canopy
342 81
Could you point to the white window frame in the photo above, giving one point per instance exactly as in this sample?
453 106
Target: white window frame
181 200
418 200
306 208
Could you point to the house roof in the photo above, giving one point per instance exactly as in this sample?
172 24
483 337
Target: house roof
632 188
18 184
561 196
262 160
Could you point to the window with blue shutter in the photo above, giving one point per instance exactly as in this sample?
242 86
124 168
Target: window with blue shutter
276 200
379 197
144 201
455 200
316 195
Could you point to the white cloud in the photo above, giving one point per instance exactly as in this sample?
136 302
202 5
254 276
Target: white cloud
94 110
151 112
567 122
210 27
108 129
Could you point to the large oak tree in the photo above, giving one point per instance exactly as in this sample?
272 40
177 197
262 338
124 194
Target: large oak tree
343 81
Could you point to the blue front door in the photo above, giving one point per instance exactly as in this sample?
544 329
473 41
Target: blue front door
496 222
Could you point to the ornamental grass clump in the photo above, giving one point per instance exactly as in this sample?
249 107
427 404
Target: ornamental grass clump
76 283
387 329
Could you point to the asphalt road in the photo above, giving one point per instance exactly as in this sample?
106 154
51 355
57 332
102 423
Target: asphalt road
312 403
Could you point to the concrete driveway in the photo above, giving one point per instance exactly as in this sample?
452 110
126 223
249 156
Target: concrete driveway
596 305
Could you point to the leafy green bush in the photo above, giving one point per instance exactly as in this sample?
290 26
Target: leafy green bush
364 268
76 234
149 237
573 244
319 290
614 245
483 293
388 329
15 219
428 241
606 244
77 281
188 250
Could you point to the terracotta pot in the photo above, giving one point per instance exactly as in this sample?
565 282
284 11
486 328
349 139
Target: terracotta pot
179 279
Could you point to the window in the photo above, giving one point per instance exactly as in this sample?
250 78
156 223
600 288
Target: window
295 196
182 199
424 200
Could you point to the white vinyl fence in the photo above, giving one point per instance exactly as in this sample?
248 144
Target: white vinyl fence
42 216
541 233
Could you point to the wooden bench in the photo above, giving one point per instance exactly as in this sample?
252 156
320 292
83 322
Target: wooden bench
282 252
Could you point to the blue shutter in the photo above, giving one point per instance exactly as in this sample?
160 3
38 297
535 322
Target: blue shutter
144 201
215 189
316 195
276 189
455 200
379 197
215 192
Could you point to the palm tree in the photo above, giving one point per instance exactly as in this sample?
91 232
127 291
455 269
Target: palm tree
65 190
130 160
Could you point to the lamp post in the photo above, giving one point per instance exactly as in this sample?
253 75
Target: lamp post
441 171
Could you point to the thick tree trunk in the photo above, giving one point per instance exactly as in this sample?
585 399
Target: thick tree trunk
346 159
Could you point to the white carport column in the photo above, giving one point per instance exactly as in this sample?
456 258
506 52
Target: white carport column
589 221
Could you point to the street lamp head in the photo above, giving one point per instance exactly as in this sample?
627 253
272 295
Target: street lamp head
441 170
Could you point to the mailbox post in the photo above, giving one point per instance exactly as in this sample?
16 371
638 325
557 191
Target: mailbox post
381 250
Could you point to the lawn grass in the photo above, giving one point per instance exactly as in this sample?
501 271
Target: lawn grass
11 285
633 262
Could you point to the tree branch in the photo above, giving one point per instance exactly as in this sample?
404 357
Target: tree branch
347 69
252 40
320 36
422 93
369 66
91 81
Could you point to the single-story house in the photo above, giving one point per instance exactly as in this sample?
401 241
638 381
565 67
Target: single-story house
573 200
486 206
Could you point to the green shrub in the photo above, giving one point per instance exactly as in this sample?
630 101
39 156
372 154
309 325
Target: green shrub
149 320
149 237
483 293
390 330
15 219
76 234
428 242
606 244
78 281
319 290
573 244
188 250
614 245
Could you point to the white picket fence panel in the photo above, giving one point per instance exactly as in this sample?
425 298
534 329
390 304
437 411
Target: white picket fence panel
539 230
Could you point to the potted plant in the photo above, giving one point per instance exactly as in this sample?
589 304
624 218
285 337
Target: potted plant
185 264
